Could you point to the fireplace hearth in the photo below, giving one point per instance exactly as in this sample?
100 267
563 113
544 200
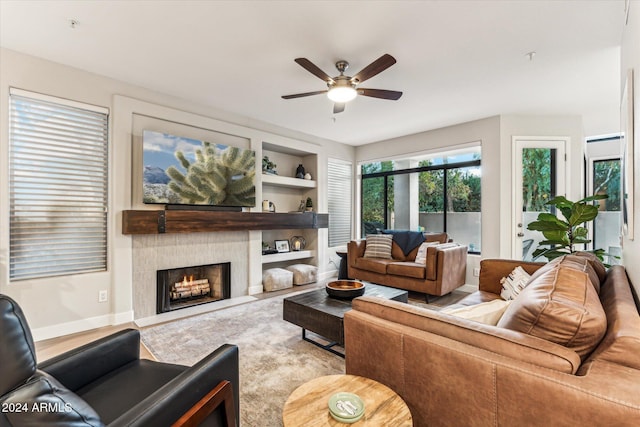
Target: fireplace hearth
188 286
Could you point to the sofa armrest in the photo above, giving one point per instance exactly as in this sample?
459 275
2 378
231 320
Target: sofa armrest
179 395
492 270
355 249
444 259
85 364
513 344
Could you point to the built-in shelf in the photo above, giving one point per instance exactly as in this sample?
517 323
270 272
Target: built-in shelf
286 256
286 181
179 221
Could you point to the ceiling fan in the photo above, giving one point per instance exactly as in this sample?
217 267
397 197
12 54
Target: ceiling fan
342 89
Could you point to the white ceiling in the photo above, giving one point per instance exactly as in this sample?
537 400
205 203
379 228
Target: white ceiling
457 60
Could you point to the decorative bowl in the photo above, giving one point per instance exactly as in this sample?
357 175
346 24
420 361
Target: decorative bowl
346 407
345 289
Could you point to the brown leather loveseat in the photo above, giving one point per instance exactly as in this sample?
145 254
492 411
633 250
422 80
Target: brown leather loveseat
444 270
566 352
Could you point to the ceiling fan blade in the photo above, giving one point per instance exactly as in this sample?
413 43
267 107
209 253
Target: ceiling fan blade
376 67
380 93
300 95
313 69
338 107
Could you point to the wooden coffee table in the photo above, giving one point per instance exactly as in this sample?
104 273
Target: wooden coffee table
324 315
308 405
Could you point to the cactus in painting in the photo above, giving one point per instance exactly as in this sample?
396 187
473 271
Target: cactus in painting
223 177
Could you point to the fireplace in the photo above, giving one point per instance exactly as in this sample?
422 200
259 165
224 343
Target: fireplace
188 286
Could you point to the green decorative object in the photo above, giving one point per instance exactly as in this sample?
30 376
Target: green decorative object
223 177
561 236
309 204
268 166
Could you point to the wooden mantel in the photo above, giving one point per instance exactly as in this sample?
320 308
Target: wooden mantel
184 221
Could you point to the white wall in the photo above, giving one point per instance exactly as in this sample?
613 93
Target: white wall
69 304
631 59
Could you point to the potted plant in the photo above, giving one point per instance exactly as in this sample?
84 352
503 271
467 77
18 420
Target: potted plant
561 236
309 204
268 166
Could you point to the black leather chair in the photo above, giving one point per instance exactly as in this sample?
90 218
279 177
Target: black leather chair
106 383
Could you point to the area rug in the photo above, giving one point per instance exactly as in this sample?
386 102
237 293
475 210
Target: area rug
274 360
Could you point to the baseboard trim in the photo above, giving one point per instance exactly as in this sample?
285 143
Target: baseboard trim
61 329
191 311
253 290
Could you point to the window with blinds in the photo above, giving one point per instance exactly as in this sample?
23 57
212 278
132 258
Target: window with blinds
58 187
340 199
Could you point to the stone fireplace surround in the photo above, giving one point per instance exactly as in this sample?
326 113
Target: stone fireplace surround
164 251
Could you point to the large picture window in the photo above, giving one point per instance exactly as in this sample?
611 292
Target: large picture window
58 187
438 193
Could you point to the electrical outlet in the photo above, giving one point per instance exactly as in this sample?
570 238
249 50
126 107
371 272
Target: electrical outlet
476 272
102 296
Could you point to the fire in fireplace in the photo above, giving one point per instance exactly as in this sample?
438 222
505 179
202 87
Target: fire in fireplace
188 286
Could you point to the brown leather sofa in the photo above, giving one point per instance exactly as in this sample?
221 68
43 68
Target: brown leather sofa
562 354
445 268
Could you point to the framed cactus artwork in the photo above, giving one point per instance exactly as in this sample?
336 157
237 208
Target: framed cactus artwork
186 171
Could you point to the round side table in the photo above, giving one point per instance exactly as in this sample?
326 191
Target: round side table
308 405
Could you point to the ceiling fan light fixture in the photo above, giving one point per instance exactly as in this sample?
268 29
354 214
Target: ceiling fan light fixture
342 94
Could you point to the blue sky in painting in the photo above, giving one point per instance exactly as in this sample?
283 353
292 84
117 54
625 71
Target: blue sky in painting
159 149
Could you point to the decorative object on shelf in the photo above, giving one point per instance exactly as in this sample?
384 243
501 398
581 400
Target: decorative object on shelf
345 289
307 176
309 205
302 206
268 166
282 245
300 171
298 243
267 250
268 206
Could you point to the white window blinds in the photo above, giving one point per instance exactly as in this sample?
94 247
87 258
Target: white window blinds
340 200
58 187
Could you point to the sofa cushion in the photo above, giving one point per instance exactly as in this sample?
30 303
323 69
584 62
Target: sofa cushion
421 255
578 263
436 237
595 262
378 246
561 306
405 240
408 269
488 313
18 352
373 264
514 283
44 401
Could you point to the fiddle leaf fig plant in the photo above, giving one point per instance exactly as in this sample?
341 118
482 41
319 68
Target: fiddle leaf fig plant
562 235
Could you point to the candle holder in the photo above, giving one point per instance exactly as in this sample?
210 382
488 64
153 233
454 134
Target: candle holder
297 243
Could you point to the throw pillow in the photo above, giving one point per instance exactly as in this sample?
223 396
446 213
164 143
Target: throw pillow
560 306
488 313
378 246
421 257
514 283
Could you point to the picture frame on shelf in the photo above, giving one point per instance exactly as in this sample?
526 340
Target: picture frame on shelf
628 172
282 246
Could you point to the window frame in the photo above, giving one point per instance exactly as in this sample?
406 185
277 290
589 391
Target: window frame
445 167
61 129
